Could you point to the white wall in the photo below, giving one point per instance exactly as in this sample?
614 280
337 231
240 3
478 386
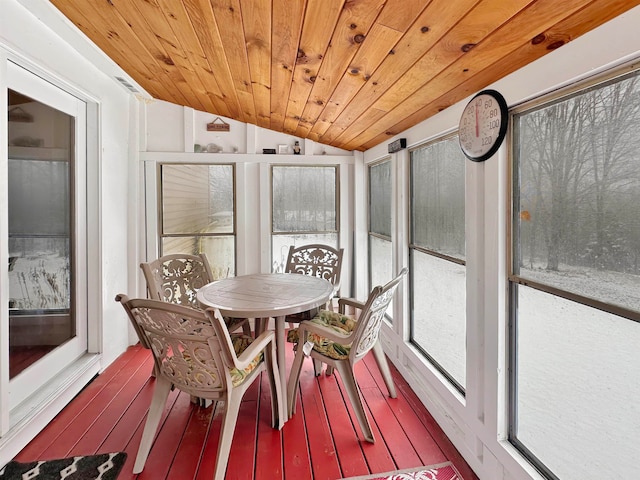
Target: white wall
25 39
477 423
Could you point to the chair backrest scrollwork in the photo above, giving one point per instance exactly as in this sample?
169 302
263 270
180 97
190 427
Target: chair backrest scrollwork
316 260
176 278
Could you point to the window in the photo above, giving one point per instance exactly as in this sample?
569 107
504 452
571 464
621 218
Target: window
198 213
304 209
437 257
380 252
574 283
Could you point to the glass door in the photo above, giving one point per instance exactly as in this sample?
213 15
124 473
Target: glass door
46 231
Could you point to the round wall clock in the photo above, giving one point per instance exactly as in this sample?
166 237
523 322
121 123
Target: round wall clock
483 125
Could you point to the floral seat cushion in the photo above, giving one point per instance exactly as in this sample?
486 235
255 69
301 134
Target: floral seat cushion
240 343
342 324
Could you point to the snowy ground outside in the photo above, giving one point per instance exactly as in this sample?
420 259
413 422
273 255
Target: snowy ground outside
579 386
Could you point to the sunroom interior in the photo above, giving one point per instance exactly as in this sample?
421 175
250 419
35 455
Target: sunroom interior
517 326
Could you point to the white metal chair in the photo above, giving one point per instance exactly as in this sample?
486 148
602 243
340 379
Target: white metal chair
341 341
194 352
176 278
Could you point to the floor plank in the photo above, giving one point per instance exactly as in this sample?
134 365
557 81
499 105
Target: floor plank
321 442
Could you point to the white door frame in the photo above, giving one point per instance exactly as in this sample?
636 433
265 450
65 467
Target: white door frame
16 390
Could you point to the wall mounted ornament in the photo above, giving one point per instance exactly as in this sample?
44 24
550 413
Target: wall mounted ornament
218 125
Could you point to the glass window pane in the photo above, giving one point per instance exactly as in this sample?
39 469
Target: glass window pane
577 389
579 193
438 304
220 251
304 199
437 189
40 210
381 268
380 198
197 199
280 246
576 229
438 307
381 265
39 238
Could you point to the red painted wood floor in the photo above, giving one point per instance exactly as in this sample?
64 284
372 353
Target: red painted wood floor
320 442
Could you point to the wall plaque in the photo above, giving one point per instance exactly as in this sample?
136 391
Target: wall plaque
218 125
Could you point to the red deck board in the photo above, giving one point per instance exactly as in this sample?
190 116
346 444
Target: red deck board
377 455
122 433
391 432
189 451
324 459
41 446
210 450
242 455
346 438
153 470
269 444
97 433
296 459
168 437
422 441
68 438
320 442
438 435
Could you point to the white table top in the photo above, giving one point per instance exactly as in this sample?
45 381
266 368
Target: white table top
265 294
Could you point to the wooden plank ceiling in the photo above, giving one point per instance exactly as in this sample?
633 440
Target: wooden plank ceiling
346 73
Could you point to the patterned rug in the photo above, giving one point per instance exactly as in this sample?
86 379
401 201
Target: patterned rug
104 466
442 471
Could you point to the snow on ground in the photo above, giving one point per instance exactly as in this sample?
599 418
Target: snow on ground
578 370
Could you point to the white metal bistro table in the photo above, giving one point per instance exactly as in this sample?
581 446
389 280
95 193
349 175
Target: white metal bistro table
265 295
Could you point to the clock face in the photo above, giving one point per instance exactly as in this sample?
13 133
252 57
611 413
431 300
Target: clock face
483 125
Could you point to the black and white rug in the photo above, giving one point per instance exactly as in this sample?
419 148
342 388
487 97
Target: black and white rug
105 466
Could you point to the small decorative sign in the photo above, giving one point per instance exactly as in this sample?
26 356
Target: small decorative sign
218 125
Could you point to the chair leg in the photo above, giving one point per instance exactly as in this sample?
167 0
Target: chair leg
260 325
294 380
346 373
277 405
246 328
317 367
160 393
381 360
230 416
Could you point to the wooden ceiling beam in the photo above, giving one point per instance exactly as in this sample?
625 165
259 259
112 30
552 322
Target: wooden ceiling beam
256 16
109 39
394 20
320 19
471 30
353 26
287 28
482 73
432 24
